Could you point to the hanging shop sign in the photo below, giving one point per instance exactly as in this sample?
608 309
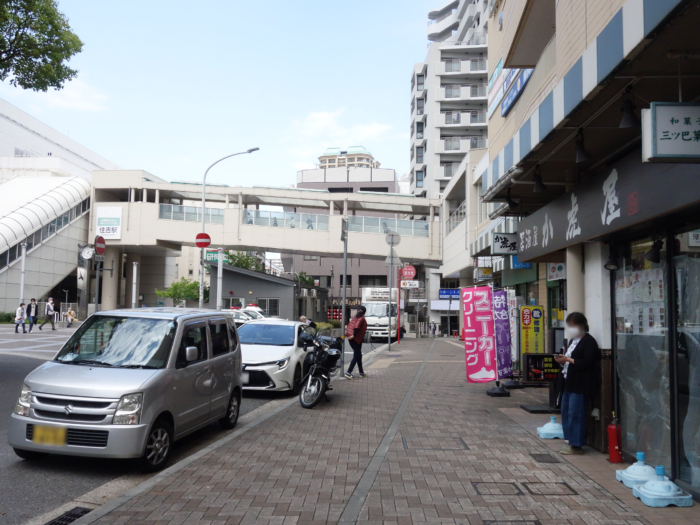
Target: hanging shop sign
504 244
448 293
483 274
501 326
479 340
556 271
694 238
109 222
626 194
671 132
531 330
213 256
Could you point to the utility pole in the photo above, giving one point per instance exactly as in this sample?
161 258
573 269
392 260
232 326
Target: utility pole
219 279
344 238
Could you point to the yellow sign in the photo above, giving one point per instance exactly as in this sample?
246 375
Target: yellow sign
531 330
49 435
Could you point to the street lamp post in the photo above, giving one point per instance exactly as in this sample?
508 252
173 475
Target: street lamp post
204 198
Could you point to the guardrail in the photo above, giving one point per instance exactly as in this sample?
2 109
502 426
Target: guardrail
173 212
278 219
457 217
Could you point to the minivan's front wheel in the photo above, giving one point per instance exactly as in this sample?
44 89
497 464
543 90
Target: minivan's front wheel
234 408
311 391
158 446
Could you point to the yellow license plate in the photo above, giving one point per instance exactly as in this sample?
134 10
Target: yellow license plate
55 436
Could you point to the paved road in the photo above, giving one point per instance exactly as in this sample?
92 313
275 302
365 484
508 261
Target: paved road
31 489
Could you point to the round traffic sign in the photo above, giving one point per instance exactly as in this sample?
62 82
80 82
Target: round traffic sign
203 240
100 245
393 239
409 272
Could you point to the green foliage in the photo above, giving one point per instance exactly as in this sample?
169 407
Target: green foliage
245 261
36 43
335 323
303 278
181 291
6 317
323 326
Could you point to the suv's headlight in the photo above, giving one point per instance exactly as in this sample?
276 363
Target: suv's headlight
283 363
25 397
128 410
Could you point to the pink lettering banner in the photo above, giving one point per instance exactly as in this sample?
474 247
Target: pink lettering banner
479 340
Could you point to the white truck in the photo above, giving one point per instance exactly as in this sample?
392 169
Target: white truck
378 316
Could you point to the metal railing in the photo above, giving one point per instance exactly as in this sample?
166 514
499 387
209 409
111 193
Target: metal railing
441 17
382 225
463 143
457 217
279 219
173 212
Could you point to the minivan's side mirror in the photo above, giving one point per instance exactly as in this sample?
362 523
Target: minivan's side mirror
191 353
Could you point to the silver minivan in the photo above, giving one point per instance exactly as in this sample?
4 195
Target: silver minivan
129 383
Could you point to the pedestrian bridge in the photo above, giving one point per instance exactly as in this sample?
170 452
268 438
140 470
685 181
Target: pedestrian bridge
156 217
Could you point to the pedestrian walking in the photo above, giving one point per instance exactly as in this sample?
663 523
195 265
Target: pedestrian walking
48 315
20 317
32 314
355 332
581 371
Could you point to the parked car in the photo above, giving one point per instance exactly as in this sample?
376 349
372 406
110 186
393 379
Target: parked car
254 314
239 318
273 354
129 383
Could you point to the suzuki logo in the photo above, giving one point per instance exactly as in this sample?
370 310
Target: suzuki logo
68 409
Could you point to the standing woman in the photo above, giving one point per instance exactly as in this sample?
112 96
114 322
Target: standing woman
20 316
581 369
355 332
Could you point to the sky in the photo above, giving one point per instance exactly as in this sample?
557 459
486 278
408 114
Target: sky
172 86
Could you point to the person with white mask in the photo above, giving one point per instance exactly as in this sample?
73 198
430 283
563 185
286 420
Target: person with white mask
581 371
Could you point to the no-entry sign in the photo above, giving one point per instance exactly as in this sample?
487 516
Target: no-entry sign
100 245
409 272
203 240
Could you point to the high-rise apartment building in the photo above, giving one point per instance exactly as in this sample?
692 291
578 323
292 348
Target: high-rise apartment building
448 95
352 157
449 114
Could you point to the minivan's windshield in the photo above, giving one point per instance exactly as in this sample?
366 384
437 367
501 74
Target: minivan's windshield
266 334
125 342
379 309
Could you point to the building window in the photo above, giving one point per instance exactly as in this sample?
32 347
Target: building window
373 281
420 80
380 190
190 272
453 65
452 143
419 154
420 105
269 306
339 190
311 257
453 117
235 302
451 91
349 280
419 130
419 179
323 281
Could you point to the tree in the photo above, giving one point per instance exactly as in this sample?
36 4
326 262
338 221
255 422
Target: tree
245 261
181 291
36 43
306 279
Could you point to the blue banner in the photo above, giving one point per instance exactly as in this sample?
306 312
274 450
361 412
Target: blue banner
449 293
515 265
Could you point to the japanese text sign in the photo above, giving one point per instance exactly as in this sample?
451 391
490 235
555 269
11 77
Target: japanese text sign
109 222
501 326
531 330
479 337
504 244
671 131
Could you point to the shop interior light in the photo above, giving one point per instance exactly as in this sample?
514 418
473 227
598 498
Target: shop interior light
654 255
539 185
511 203
581 154
612 263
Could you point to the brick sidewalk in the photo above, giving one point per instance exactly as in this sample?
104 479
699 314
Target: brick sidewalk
411 443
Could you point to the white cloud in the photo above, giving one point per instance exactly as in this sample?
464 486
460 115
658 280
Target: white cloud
310 136
76 95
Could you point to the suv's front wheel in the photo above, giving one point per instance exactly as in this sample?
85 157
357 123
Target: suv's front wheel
158 446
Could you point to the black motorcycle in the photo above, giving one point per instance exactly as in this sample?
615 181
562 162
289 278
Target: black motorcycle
323 354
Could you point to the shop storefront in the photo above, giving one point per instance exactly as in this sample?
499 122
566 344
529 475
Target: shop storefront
646 216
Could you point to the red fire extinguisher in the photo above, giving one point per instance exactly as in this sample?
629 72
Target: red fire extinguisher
614 438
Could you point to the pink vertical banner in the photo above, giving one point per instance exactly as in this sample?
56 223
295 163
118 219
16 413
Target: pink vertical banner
479 340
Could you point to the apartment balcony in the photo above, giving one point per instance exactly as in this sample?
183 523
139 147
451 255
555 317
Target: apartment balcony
467 92
478 41
455 67
443 26
447 171
462 119
459 144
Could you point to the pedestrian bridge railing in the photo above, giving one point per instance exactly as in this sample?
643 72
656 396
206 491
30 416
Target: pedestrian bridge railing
279 219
